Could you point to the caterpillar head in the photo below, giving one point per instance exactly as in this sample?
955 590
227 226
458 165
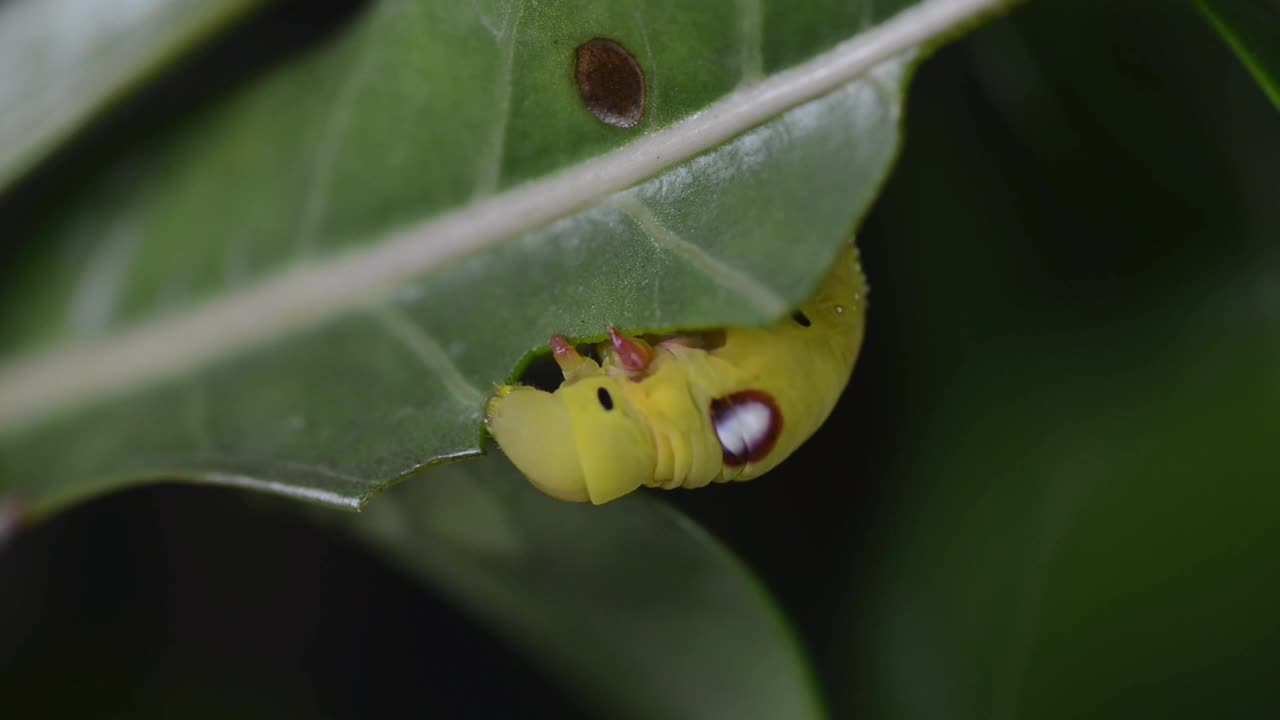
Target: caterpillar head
583 442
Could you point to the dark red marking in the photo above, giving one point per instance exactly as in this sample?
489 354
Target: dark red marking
757 447
635 355
561 348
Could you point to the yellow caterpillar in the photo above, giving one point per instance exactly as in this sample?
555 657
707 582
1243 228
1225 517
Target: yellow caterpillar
685 410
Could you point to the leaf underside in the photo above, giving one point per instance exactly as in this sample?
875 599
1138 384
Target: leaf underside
415 111
400 118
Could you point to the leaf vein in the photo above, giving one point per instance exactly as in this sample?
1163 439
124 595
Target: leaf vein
427 349
487 180
332 138
93 304
39 384
758 294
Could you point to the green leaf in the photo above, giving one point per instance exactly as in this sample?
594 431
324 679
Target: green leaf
66 60
631 602
1252 28
1084 519
1083 522
310 288
1071 516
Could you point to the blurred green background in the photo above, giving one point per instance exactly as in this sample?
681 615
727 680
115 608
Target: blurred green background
1048 492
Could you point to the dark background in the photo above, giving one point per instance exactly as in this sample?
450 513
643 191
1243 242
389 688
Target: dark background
1077 249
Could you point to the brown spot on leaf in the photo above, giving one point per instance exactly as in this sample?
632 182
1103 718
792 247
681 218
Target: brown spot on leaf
611 82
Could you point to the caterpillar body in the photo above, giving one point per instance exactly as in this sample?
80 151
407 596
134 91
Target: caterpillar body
685 410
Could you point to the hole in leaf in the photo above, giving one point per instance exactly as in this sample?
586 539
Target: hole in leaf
543 373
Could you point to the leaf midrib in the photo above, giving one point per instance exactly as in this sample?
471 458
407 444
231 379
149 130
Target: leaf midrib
42 383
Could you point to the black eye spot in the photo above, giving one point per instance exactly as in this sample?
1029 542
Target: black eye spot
801 319
611 82
606 400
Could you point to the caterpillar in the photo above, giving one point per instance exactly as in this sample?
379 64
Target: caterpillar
686 409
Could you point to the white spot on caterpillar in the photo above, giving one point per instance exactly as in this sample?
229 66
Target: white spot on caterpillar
743 426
